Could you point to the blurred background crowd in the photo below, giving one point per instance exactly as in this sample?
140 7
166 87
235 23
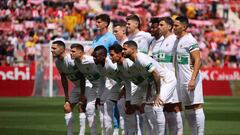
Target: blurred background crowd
28 25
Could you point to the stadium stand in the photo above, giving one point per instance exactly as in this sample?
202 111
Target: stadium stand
27 25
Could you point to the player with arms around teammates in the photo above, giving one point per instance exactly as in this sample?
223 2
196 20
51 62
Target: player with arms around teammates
86 65
109 69
161 82
68 71
188 63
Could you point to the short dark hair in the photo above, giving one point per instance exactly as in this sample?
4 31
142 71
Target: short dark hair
131 44
101 48
120 23
169 21
155 19
116 48
104 17
183 20
134 18
59 43
77 46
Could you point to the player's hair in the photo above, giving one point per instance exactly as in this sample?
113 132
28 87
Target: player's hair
134 18
183 20
155 19
131 44
59 43
100 48
117 48
120 23
77 46
168 20
104 17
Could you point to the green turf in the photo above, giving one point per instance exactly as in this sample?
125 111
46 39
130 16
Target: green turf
44 116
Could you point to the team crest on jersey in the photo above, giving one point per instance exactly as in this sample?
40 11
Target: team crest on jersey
105 40
87 68
181 46
139 41
167 45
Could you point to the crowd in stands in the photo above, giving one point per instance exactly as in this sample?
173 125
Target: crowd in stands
27 25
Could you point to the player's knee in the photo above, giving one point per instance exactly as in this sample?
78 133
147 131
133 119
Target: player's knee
81 108
67 108
90 109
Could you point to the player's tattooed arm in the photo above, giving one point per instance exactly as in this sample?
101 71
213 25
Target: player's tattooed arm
65 86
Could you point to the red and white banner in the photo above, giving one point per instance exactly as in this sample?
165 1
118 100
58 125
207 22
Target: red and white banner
221 74
17 81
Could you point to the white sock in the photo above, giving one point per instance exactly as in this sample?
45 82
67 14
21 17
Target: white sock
115 131
180 118
69 123
147 125
192 122
131 124
121 108
92 124
121 122
200 121
101 117
139 123
159 126
82 121
172 122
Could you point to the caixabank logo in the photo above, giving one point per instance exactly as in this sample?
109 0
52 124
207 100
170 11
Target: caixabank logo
16 73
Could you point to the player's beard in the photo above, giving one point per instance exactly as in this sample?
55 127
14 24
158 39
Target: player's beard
125 55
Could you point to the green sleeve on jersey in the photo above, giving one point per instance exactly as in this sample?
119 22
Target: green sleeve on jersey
137 80
149 66
92 77
192 47
142 51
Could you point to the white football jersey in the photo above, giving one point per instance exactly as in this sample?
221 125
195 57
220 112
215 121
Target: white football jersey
68 68
88 68
143 40
145 64
109 70
90 71
163 51
123 70
123 41
185 46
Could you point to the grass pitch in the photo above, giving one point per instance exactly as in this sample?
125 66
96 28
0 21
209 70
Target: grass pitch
44 116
